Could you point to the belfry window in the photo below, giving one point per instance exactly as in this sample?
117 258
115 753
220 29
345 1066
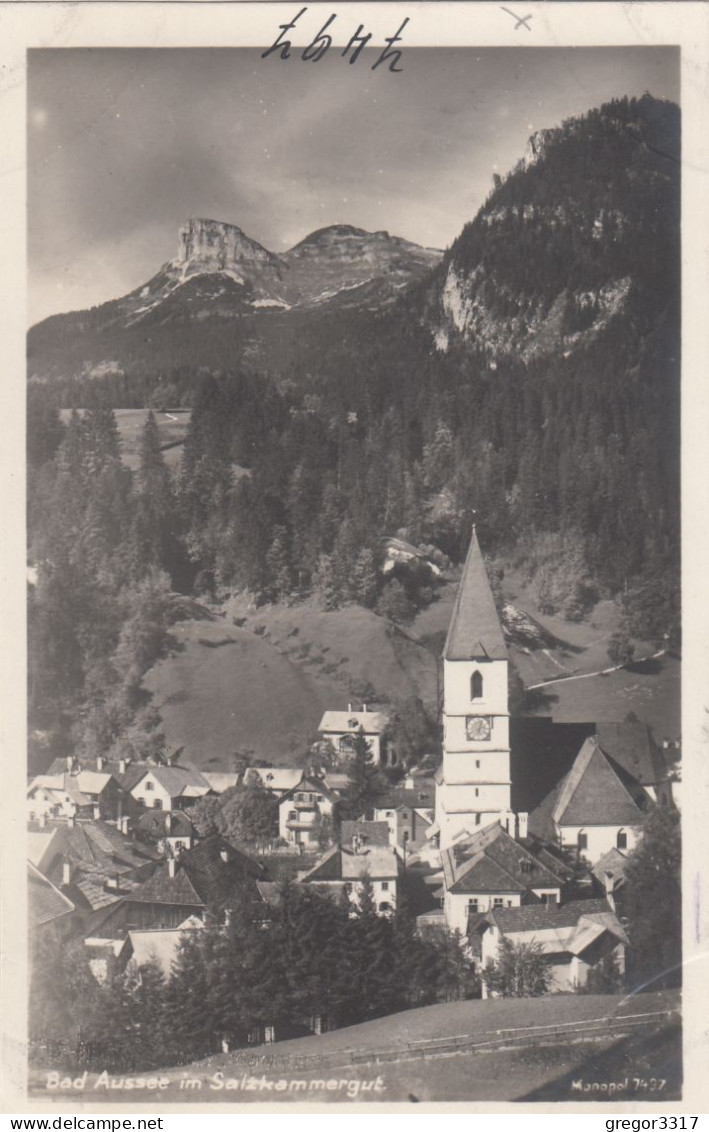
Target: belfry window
476 686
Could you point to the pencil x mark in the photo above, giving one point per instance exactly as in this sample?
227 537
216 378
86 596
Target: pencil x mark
521 20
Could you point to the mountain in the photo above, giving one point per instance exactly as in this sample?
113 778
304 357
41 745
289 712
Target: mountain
584 231
221 275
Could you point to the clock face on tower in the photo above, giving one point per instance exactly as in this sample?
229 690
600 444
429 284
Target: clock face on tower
478 727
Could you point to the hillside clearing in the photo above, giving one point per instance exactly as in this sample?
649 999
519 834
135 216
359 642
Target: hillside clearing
260 687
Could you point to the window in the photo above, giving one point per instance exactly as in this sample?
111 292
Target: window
477 764
157 803
497 902
477 792
476 686
149 785
384 907
525 866
404 817
292 815
478 819
385 886
473 905
582 841
621 840
348 888
406 836
320 798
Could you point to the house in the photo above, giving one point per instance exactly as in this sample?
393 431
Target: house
76 793
573 937
340 729
276 779
169 787
302 809
169 831
345 870
93 863
49 911
595 807
159 946
364 833
198 881
218 782
488 870
409 811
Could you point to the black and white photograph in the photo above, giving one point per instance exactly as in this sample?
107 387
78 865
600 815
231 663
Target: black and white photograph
354 485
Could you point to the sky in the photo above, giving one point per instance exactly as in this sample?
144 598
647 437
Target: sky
124 145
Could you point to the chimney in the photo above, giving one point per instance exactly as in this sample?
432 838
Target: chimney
42 820
69 762
122 763
168 821
349 707
171 867
609 885
124 824
522 825
364 707
66 872
97 812
100 761
224 854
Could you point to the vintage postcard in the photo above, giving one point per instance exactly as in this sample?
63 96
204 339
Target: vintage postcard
357 749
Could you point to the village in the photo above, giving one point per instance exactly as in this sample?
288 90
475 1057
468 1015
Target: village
520 839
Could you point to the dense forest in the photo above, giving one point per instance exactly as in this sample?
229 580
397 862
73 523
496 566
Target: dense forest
312 438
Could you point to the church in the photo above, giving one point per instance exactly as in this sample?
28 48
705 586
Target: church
493 853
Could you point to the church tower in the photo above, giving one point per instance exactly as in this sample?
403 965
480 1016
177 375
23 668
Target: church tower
474 781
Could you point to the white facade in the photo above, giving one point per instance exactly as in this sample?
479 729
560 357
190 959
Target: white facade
594 841
475 789
299 814
569 971
151 793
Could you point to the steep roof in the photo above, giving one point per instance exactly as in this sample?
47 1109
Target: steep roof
313 785
421 797
376 862
492 861
371 722
474 629
177 780
612 864
592 793
165 823
630 744
202 878
219 782
160 945
371 832
274 777
45 903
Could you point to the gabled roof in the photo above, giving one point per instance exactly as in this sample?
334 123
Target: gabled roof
371 832
612 865
474 630
375 862
630 744
178 781
44 844
133 768
202 878
160 945
279 778
312 785
420 797
490 860
371 722
45 903
592 793
219 782
79 787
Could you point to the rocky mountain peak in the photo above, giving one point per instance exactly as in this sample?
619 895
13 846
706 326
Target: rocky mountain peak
217 246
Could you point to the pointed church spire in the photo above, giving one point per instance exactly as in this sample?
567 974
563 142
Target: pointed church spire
474 631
